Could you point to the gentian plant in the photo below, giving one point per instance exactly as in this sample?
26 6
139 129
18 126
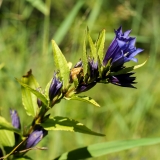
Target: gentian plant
95 66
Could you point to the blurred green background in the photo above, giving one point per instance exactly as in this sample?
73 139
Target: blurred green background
26 30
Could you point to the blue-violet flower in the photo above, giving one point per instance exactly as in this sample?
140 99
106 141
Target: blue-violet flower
121 50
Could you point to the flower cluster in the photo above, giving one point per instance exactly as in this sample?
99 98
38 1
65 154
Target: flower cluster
121 50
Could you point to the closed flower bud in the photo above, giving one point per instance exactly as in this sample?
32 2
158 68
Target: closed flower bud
123 80
93 69
54 87
36 136
39 102
85 87
15 119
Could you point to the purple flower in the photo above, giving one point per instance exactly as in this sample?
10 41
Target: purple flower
122 49
36 136
123 80
15 119
54 87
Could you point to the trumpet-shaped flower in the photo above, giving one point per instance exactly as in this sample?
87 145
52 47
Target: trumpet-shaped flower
121 50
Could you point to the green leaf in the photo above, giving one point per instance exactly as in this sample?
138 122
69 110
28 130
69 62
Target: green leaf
128 69
35 92
29 93
61 64
84 57
23 158
84 99
92 47
7 138
100 149
100 46
5 125
66 124
39 4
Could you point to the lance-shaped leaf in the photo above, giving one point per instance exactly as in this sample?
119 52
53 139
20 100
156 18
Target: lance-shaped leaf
29 100
128 69
100 46
84 99
7 138
67 124
92 47
39 95
100 149
61 64
5 125
84 57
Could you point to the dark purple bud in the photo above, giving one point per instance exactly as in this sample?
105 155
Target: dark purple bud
54 87
15 119
85 87
123 80
39 102
36 136
93 69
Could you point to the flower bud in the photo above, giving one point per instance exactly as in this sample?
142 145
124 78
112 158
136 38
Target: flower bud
93 69
36 136
54 87
15 119
85 87
39 102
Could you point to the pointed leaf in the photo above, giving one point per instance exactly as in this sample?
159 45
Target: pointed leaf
61 64
84 57
100 46
92 47
100 149
7 138
35 92
29 100
84 99
66 124
128 69
5 125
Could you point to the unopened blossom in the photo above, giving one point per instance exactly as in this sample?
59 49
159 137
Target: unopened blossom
123 80
36 136
15 119
55 86
93 66
85 87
